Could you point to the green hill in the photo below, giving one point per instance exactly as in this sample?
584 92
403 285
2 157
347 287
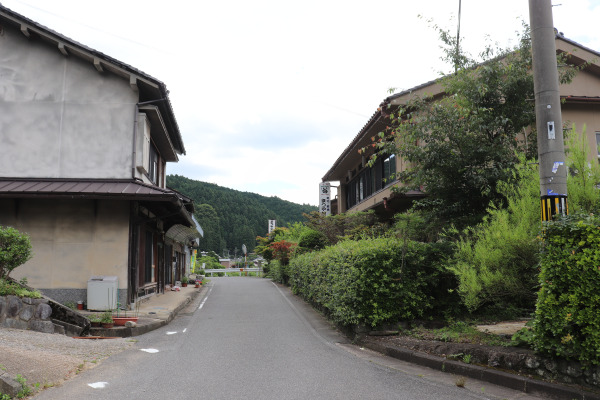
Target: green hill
231 218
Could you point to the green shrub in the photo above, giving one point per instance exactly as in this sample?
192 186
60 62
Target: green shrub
8 288
357 225
15 249
370 282
278 272
312 240
567 322
496 261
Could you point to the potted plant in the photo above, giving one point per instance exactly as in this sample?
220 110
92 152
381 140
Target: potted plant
95 320
120 320
184 281
107 320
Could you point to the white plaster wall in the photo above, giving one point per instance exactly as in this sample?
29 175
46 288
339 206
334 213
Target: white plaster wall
59 117
72 240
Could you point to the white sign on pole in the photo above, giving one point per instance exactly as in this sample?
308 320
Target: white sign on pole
325 198
272 224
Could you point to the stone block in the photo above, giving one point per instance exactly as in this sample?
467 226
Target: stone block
532 362
26 313
43 311
574 370
8 385
14 306
59 329
14 323
41 326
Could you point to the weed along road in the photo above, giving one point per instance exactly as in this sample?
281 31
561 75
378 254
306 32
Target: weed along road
248 338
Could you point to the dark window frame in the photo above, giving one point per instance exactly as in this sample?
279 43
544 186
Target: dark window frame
370 180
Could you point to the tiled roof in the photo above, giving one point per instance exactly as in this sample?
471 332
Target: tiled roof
84 188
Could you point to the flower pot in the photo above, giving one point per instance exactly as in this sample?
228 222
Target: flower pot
120 321
96 324
107 325
184 284
80 305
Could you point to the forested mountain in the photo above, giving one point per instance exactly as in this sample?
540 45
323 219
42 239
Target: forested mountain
231 218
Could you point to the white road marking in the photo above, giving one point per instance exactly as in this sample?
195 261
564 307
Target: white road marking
206 298
171 333
184 330
150 350
98 385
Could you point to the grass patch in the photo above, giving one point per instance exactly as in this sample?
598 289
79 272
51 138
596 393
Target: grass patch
9 288
458 332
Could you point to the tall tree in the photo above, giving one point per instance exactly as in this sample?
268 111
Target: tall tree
461 145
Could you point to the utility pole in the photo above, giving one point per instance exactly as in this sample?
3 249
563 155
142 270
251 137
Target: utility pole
551 148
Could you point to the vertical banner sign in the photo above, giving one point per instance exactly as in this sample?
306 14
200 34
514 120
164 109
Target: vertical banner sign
272 224
325 198
194 255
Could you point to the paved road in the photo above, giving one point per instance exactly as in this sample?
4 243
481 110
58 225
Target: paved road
250 339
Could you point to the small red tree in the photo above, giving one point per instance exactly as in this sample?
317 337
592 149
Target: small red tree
282 250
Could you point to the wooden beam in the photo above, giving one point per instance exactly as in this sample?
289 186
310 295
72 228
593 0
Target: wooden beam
133 82
98 65
25 31
63 49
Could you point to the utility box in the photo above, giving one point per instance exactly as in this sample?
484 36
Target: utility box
102 293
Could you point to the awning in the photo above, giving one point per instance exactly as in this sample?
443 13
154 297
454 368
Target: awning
183 234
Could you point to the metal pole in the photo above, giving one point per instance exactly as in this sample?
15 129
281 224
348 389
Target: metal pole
551 150
457 38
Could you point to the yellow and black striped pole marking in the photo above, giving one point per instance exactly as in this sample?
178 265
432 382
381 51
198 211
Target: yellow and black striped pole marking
553 205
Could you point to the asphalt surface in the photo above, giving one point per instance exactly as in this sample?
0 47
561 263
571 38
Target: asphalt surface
247 338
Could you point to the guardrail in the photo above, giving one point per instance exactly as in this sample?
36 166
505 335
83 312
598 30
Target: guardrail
231 270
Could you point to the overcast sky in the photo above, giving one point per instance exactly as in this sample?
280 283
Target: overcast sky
268 93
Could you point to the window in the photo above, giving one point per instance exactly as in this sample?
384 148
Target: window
371 180
153 167
598 144
389 169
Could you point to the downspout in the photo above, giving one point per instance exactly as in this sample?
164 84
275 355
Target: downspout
135 125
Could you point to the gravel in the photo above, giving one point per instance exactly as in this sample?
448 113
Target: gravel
50 359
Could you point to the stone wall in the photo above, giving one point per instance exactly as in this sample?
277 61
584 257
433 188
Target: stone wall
26 313
511 359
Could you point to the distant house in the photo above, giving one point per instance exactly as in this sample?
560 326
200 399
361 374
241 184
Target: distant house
364 188
84 144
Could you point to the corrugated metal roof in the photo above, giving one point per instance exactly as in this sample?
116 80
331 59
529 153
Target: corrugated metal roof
84 188
165 203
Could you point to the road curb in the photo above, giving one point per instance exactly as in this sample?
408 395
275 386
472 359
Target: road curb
496 377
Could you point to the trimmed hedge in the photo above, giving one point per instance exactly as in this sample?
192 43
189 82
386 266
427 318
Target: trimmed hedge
372 282
567 320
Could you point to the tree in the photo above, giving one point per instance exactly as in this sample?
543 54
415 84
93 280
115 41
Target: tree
15 250
209 221
461 145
